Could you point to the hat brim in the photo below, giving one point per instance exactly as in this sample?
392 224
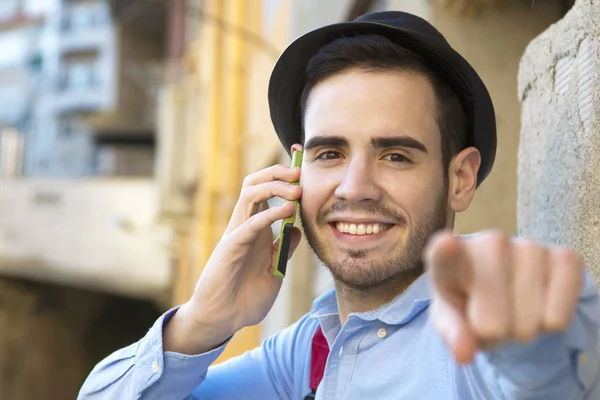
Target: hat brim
288 80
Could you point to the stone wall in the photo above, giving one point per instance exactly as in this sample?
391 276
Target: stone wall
559 154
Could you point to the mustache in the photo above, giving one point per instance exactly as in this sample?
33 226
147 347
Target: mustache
369 209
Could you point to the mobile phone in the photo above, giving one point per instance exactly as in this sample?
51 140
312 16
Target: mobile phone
285 233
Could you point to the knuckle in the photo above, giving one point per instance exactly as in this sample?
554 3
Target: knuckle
277 188
568 256
496 239
493 241
491 330
525 244
254 221
529 254
248 181
287 188
281 185
525 333
555 324
278 170
247 192
494 234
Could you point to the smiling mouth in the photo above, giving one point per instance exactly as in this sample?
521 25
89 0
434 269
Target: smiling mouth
360 229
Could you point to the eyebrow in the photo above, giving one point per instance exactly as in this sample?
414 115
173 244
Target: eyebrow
322 141
398 141
378 142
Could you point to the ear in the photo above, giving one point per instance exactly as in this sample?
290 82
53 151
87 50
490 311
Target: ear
296 147
462 178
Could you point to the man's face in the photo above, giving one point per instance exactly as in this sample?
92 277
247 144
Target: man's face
372 175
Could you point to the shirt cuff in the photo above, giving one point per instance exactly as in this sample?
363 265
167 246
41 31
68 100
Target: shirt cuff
159 374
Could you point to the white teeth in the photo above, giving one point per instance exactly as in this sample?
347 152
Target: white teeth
360 229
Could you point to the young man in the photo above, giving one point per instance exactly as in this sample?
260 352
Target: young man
397 131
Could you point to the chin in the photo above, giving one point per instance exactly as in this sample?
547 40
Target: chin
367 273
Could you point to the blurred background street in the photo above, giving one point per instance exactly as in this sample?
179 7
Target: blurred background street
126 129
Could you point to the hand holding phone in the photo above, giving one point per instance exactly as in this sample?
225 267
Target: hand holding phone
237 288
287 225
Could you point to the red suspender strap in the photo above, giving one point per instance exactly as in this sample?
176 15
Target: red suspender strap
319 353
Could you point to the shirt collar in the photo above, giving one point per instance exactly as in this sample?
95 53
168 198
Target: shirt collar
402 309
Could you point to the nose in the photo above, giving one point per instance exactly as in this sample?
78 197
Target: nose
358 184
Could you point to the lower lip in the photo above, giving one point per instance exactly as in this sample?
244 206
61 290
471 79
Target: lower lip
357 239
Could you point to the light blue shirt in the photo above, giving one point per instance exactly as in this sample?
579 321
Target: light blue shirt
389 353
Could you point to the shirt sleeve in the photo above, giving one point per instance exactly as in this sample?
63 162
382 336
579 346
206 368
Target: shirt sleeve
558 366
144 371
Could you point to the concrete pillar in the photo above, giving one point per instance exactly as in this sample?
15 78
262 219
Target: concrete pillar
559 154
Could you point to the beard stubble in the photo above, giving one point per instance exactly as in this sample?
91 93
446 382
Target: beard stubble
355 271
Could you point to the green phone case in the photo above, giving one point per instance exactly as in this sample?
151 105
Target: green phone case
285 233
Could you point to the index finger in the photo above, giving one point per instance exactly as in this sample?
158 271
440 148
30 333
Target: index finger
273 173
449 265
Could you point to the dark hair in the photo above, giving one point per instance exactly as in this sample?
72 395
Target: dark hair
377 53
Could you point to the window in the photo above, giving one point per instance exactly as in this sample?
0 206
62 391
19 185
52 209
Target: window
68 126
87 14
81 71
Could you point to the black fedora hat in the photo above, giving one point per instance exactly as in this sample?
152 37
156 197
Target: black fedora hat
414 33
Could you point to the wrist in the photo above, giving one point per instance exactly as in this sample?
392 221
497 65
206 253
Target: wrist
188 333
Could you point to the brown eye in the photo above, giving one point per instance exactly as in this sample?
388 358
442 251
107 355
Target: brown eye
397 158
329 155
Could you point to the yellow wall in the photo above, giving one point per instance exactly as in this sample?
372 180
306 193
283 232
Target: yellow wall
231 68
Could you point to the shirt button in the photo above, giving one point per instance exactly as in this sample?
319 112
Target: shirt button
583 358
382 333
155 367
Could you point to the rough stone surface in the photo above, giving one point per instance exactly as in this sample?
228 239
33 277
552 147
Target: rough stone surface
559 153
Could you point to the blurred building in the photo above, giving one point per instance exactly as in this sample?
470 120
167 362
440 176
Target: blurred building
127 127
79 225
78 93
96 111
75 84
20 75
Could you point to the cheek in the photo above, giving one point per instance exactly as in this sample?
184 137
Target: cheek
317 191
415 193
